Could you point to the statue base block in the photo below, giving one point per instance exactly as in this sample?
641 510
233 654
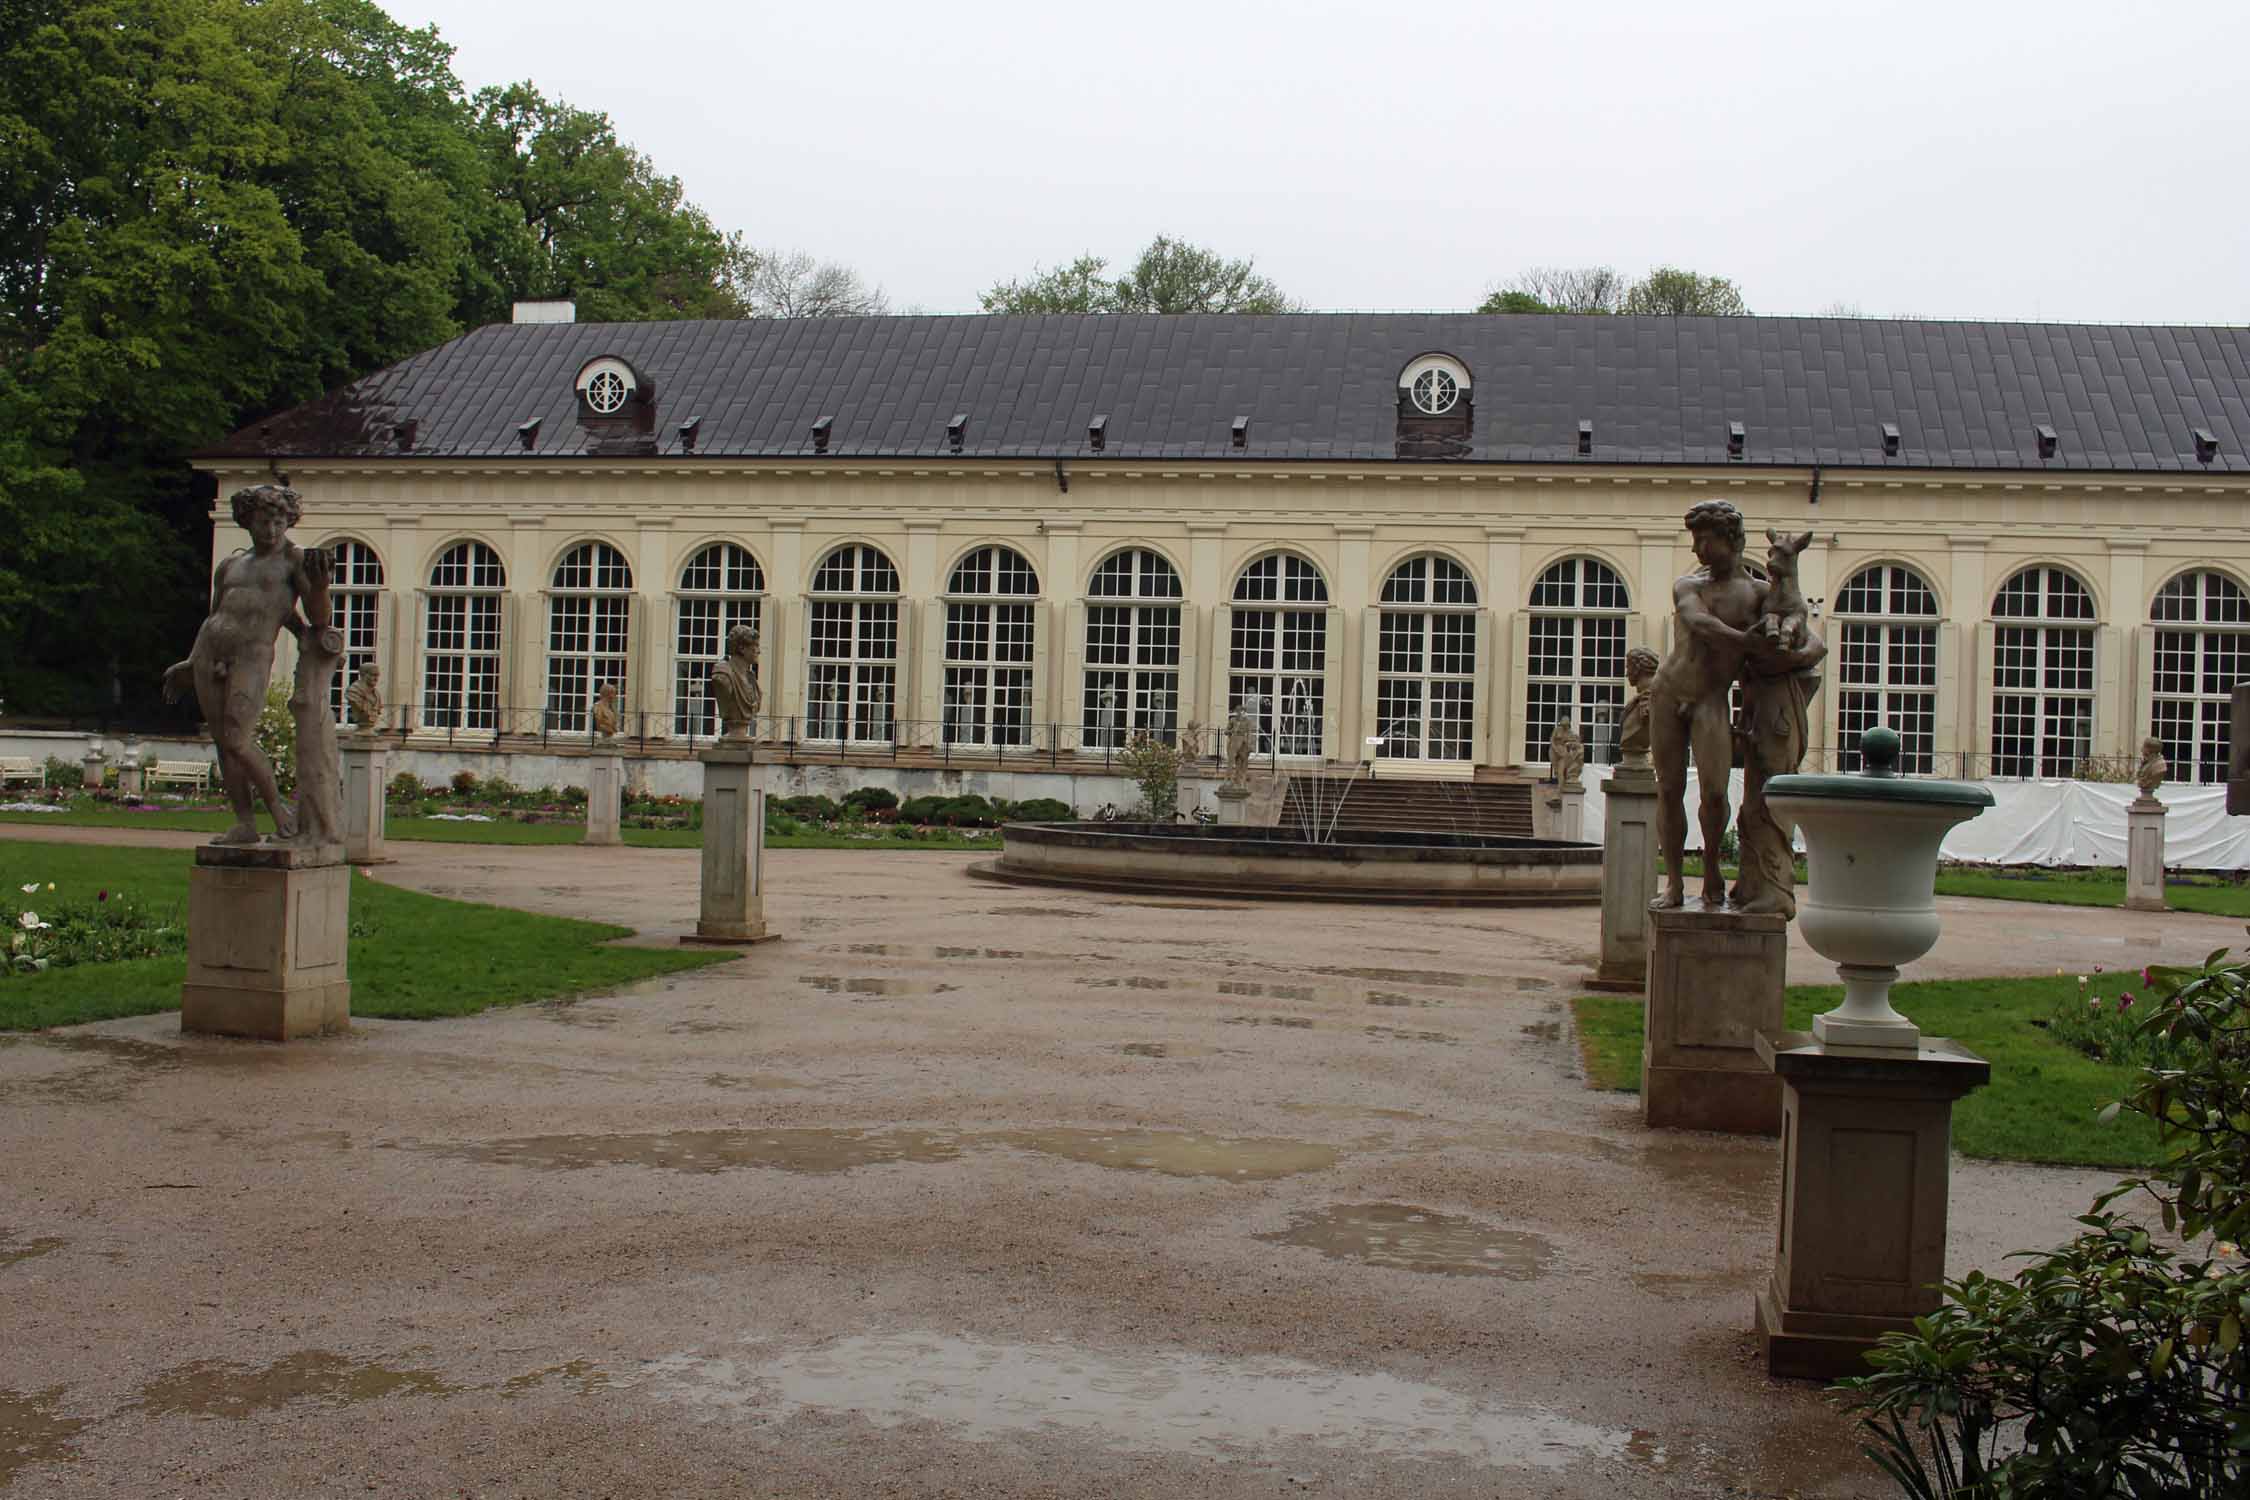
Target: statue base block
268 936
734 852
605 798
1628 879
366 765
1865 1151
2144 855
1232 802
1715 979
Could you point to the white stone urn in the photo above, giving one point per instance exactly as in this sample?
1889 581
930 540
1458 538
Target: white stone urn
1871 850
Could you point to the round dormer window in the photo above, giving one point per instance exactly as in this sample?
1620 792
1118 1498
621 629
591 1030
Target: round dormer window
606 391
1435 391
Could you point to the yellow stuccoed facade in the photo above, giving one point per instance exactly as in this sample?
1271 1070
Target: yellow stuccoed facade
2122 536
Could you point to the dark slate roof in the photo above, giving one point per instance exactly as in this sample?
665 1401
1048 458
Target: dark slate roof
1321 386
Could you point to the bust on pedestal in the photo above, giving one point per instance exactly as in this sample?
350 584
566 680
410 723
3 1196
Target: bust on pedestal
1717 966
366 767
605 774
2144 834
1628 843
734 808
269 919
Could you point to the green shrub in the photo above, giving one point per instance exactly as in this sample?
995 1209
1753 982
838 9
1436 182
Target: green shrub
496 790
107 926
277 737
65 775
405 787
922 809
464 783
2114 1365
870 799
783 827
904 831
1041 810
1154 765
969 811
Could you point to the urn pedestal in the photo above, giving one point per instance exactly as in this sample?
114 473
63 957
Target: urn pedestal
1714 982
269 928
2144 855
734 851
1628 878
129 775
90 766
1233 800
1866 1153
605 797
366 767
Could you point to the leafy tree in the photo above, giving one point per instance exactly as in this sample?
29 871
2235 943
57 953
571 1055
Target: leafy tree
1558 289
791 284
1670 291
1171 276
1513 302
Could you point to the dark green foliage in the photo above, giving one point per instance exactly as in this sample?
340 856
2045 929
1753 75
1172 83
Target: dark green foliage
405 787
862 801
1041 810
1171 276
969 811
2120 1356
809 809
464 783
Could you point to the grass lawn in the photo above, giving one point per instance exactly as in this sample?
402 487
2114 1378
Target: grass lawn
446 831
2204 893
412 956
2043 1098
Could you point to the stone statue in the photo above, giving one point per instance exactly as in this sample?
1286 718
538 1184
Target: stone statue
1633 734
274 586
1778 682
605 711
2154 767
1242 742
365 698
1720 610
734 684
1566 754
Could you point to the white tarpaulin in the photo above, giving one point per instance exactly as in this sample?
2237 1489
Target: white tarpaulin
2048 823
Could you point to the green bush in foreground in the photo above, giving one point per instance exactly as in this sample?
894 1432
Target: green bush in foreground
2114 1365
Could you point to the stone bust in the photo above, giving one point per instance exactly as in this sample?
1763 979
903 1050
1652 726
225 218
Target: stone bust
605 711
734 684
1633 734
365 698
2153 768
1566 754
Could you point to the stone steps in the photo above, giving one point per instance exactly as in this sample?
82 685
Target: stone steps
1497 809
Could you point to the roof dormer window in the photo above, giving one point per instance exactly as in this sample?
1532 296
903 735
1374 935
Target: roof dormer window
606 391
1435 390
1436 408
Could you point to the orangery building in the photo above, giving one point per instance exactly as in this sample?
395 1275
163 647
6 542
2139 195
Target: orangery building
1415 540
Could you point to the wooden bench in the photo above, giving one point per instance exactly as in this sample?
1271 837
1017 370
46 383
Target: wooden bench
22 768
195 773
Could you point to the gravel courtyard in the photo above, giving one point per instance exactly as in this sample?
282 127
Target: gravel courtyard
958 1189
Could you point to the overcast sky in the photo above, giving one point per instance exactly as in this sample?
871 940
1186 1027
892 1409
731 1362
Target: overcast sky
2057 161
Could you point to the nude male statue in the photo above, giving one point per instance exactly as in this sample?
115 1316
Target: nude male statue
254 595
1717 607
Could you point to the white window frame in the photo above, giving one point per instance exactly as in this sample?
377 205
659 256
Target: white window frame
1264 637
1886 663
605 596
457 607
851 693
1420 624
2044 674
355 602
1144 622
991 645
1593 701
703 614
2202 649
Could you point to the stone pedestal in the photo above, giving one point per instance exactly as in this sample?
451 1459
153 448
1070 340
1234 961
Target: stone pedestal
268 933
1865 1153
90 765
2238 750
734 851
605 793
129 776
1714 982
1570 812
1233 804
367 765
1628 877
2144 855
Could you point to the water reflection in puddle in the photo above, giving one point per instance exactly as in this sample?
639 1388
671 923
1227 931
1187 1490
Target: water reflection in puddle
1432 977
1393 998
1407 1238
1394 1034
908 950
1172 1401
1177 1153
816 1151
1167 1049
872 988
583 1375
31 1432
222 1388
13 1250
1293 1023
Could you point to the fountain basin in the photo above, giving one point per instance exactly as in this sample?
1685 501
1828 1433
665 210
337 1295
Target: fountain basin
1406 867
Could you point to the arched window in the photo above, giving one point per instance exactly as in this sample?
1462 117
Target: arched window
2202 651
1886 664
355 599
1576 665
1277 657
988 647
589 633
1132 650
719 589
1426 661
2042 674
851 679
461 639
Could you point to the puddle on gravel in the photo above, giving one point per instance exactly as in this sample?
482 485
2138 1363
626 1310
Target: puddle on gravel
586 1376
1169 1401
13 1250
814 1151
1543 1031
1167 1049
1693 1286
1435 977
908 950
1177 1153
1254 990
1182 906
753 1081
572 1013
1131 982
1388 997
1040 911
1394 1034
876 989
31 1433
1293 1023
1353 1112
699 1028
1407 1238
222 1388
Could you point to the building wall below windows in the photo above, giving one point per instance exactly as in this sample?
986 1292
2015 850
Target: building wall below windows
2121 538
